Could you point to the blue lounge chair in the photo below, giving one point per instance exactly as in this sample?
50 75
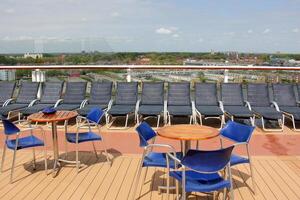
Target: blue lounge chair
17 143
200 171
7 91
125 103
206 102
152 101
258 100
241 135
179 101
93 118
74 97
150 158
26 97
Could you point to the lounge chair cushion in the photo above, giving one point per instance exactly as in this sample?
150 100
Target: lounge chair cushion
284 95
232 94
11 107
28 92
127 93
75 92
34 109
180 110
268 112
206 94
238 111
179 94
258 95
51 92
7 89
295 111
64 106
86 109
121 109
151 109
100 93
209 110
153 94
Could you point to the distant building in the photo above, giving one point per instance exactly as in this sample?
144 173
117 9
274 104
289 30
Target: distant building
33 55
7 75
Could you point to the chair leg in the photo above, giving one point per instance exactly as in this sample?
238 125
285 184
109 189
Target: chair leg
177 189
137 181
77 158
46 160
252 177
95 151
191 119
3 157
224 193
126 122
158 119
33 161
13 166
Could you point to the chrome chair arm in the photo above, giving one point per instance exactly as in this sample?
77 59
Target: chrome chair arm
221 106
247 104
273 103
33 102
8 101
58 102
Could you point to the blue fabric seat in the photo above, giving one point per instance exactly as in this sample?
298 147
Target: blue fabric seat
237 159
179 110
209 110
7 91
87 108
267 112
151 109
83 137
24 142
239 111
121 109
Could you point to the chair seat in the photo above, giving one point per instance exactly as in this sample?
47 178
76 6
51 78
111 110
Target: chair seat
11 107
82 137
86 109
35 108
65 106
180 110
209 110
155 159
238 111
199 182
236 159
268 112
295 111
151 109
24 142
119 109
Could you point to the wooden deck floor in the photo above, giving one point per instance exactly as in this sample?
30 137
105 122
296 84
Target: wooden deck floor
276 178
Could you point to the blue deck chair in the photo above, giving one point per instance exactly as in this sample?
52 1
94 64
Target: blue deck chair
100 97
74 97
232 102
93 118
200 171
179 101
125 103
51 93
285 101
258 100
206 102
7 91
18 143
26 97
241 135
150 158
152 101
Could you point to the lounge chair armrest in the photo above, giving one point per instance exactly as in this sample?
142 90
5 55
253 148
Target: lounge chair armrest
221 106
109 105
59 101
137 105
8 101
247 104
33 102
83 103
165 111
298 102
273 103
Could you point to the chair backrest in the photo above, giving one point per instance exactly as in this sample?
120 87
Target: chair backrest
9 127
95 115
284 95
145 133
7 91
179 94
207 161
152 93
258 94
75 92
127 93
232 94
100 92
51 92
27 92
206 94
237 132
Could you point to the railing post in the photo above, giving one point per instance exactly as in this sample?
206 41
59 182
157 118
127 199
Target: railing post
225 75
128 76
38 76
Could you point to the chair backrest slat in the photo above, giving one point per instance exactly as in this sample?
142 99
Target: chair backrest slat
7 91
206 94
75 92
127 93
179 94
152 93
51 92
232 94
237 132
258 95
100 92
27 92
284 95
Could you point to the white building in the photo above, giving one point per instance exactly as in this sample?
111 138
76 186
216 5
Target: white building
7 75
33 55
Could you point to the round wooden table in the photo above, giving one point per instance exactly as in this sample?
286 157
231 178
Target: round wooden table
188 133
53 119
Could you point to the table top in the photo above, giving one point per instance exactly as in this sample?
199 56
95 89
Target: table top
58 116
188 132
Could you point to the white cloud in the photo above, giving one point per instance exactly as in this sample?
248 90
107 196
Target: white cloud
115 14
164 31
296 30
200 40
9 10
175 35
230 33
83 19
266 31
250 31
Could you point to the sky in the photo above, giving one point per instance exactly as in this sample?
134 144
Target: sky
149 25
